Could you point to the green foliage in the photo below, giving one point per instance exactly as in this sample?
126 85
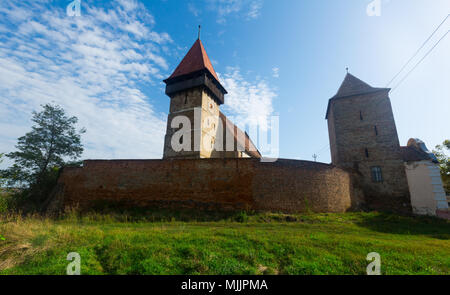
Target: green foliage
3 204
2 238
2 179
121 212
52 143
444 161
267 243
242 217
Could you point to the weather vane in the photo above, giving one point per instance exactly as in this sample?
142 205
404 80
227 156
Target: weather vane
199 29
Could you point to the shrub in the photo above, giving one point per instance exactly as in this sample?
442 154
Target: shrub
3 204
241 217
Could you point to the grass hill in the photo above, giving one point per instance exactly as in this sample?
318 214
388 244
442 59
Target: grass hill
224 244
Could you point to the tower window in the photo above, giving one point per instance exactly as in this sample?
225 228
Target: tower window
376 130
360 115
377 176
185 99
366 151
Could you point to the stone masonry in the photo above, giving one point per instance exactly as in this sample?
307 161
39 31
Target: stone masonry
367 169
224 184
363 137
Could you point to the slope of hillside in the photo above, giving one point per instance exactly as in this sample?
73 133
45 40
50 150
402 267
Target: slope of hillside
240 244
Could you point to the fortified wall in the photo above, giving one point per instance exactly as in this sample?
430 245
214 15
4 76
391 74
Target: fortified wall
226 184
196 172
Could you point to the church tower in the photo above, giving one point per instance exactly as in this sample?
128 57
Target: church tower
363 138
195 96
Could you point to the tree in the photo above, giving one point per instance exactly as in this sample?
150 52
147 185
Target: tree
1 177
444 163
52 141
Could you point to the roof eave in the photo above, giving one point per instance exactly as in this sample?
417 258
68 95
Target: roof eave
187 76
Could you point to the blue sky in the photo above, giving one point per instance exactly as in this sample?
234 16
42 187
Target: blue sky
282 58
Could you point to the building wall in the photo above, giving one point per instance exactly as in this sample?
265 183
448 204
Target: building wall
332 136
209 135
284 186
351 123
425 185
203 113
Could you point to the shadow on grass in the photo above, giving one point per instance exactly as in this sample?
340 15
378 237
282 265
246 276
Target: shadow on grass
406 225
121 212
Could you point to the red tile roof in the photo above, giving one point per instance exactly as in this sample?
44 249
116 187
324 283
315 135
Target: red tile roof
241 138
195 60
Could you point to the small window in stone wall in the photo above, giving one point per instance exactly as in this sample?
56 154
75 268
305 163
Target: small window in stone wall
366 151
360 115
377 176
185 99
376 130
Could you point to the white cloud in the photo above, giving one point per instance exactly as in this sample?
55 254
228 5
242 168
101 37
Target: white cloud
91 66
255 9
250 102
276 72
193 9
248 9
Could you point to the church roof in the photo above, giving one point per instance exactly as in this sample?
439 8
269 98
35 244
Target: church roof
195 60
241 137
353 86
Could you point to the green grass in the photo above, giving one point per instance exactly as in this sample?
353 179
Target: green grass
236 244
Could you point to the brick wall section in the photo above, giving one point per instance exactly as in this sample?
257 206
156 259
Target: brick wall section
298 186
282 186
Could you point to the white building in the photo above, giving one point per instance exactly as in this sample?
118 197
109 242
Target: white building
424 180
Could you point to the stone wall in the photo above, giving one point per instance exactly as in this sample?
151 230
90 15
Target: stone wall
202 112
236 184
363 135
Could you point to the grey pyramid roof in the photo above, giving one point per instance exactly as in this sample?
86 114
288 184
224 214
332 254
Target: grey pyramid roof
353 86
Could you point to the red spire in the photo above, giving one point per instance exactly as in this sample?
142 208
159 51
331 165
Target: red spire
195 60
